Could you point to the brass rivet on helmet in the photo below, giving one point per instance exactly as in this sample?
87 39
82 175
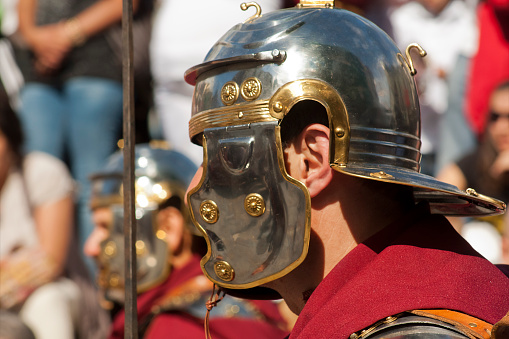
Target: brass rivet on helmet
340 132
278 107
224 270
110 249
209 211
254 204
240 115
251 89
381 175
229 93
472 192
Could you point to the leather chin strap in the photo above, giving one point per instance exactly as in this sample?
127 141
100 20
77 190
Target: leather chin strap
215 298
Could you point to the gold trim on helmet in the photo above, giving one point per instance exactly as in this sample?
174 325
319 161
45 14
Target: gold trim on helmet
257 111
278 106
310 89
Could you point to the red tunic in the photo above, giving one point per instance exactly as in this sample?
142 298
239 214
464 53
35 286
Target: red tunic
418 263
181 325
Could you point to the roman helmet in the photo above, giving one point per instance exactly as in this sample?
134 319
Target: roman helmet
254 216
161 179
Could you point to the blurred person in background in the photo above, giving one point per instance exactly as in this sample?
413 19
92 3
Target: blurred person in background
490 65
447 30
71 103
36 210
472 81
172 289
486 170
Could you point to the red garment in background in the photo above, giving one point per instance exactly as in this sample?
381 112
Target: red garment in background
181 325
420 262
490 65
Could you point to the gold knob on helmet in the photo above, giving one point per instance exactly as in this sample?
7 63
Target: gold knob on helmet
224 270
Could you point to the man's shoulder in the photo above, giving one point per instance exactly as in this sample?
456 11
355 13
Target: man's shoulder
433 324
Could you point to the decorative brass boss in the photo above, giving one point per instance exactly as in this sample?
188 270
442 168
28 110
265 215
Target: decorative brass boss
224 270
254 204
209 211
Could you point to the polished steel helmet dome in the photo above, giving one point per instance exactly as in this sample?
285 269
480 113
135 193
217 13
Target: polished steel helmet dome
261 68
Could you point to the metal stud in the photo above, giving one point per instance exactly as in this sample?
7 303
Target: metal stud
254 204
224 270
472 192
209 211
381 175
251 89
340 132
278 107
229 93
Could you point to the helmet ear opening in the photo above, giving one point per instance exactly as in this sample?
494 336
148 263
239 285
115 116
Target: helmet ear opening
300 115
312 92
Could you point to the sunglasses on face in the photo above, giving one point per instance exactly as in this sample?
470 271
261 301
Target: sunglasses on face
494 116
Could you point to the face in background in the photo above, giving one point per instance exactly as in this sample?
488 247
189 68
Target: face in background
103 219
162 243
169 220
498 125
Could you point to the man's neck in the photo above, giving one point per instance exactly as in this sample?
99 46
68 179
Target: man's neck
337 228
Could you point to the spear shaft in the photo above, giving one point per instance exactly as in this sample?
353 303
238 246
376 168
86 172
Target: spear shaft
131 313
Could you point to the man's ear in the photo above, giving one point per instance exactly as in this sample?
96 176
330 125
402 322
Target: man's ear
308 158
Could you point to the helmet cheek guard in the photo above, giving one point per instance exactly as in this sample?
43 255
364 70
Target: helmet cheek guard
162 176
254 216
152 256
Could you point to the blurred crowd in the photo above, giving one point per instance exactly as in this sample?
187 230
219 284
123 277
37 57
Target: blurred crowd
61 120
